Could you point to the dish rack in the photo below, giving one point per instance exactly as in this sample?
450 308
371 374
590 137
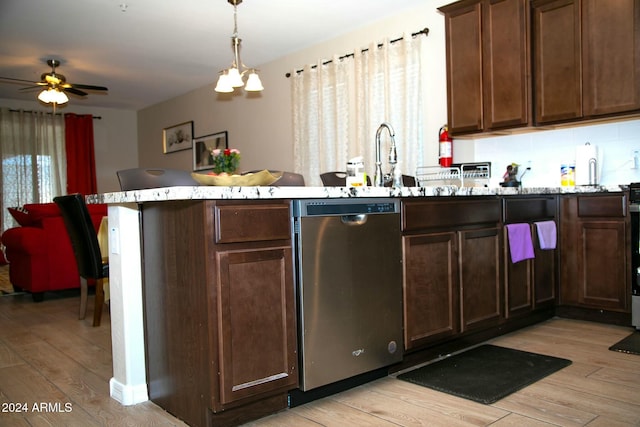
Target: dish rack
460 174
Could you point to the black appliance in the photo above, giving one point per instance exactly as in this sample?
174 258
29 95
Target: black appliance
634 211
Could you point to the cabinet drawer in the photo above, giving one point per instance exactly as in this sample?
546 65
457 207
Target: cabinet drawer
449 213
529 209
599 206
252 223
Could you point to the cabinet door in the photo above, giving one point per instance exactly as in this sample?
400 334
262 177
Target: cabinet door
545 275
505 41
430 288
256 322
518 283
611 56
603 260
464 68
480 287
557 60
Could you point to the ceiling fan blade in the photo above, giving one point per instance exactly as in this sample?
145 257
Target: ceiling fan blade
30 88
9 79
87 87
75 91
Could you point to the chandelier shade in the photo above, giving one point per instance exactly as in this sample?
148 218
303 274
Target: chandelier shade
233 77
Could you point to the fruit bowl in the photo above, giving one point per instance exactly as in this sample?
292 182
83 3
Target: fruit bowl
263 177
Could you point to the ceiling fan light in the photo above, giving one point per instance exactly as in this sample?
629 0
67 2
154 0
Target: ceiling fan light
45 96
54 96
60 97
253 83
235 79
223 85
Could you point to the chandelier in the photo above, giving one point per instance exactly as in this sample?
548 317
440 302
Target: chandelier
232 77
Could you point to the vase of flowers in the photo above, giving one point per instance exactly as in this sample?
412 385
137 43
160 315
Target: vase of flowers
225 161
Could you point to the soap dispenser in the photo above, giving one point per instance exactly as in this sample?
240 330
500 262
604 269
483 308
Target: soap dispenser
356 176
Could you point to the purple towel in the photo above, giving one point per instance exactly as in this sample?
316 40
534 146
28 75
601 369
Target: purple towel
547 234
520 242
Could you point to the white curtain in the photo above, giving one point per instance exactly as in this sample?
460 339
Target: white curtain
338 106
32 149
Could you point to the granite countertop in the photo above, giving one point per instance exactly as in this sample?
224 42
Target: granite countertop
260 193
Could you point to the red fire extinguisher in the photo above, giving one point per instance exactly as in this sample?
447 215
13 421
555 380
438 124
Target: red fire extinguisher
446 147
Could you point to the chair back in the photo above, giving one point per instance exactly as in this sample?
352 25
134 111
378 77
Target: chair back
288 179
82 234
408 181
141 178
337 179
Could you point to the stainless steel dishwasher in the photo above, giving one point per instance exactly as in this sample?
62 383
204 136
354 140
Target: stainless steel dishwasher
349 283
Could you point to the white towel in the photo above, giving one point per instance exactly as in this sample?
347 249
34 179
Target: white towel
547 234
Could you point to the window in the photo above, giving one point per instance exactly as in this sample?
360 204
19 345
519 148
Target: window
32 149
338 106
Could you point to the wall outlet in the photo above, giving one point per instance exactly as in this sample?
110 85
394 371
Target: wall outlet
634 159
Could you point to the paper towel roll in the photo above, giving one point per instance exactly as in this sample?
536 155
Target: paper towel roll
587 158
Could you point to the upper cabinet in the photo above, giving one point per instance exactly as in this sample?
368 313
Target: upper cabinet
586 58
556 60
488 66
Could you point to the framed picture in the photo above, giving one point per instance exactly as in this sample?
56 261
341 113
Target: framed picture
204 145
178 137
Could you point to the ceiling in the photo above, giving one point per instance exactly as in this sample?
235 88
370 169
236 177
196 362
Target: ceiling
148 51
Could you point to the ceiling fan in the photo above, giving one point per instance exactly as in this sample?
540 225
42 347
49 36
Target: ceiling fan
55 86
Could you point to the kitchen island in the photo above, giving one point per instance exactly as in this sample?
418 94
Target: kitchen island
129 383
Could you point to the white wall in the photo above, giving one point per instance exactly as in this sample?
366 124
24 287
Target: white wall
115 138
546 150
260 127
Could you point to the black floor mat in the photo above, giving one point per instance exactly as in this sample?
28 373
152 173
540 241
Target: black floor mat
630 344
485 374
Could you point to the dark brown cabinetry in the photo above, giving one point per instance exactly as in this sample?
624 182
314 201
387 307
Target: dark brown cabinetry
488 63
530 284
452 259
219 308
586 58
594 252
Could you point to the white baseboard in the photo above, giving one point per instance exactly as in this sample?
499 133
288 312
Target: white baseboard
127 394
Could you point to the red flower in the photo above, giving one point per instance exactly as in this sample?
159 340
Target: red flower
227 152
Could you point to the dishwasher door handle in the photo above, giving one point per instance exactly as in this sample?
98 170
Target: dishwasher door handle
359 219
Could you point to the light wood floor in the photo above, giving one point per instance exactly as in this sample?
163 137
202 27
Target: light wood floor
48 356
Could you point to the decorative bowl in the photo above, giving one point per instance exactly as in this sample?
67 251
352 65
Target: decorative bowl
264 177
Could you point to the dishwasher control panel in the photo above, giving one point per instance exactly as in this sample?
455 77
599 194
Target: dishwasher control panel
327 207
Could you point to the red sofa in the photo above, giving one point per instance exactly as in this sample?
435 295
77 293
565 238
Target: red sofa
39 251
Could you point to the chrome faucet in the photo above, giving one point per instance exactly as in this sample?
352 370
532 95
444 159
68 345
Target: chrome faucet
380 179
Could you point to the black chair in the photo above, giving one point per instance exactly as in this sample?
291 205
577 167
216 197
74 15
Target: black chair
84 240
288 179
141 178
337 179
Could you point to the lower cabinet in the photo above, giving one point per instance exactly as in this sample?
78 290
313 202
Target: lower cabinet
431 293
595 252
530 284
219 309
480 278
452 268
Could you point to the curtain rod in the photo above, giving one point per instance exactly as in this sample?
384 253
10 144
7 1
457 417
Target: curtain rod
424 31
46 112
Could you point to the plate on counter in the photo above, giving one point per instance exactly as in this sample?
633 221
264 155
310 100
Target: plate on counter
264 177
